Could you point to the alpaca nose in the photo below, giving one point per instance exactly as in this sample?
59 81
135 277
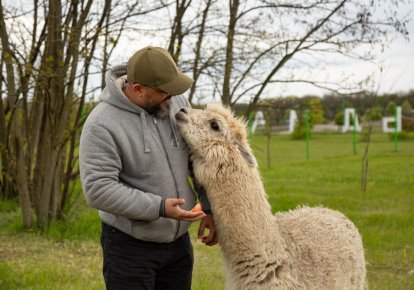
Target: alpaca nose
182 115
184 110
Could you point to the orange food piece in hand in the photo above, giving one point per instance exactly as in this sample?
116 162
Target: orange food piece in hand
197 208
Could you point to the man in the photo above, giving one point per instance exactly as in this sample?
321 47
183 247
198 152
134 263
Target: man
134 168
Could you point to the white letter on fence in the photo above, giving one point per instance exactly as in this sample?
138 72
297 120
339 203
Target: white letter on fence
347 122
387 120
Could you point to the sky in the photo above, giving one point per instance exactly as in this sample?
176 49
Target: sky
397 75
396 61
392 72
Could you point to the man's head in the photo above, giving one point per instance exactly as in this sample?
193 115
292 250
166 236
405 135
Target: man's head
153 78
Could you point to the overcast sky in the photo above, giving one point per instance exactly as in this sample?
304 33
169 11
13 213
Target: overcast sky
396 61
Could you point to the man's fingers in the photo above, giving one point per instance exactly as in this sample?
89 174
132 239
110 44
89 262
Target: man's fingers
212 243
177 201
210 238
201 230
189 215
173 210
192 216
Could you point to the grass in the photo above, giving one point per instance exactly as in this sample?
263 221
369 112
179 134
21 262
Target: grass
68 255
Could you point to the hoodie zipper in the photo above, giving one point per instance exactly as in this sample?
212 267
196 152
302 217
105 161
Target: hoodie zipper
171 170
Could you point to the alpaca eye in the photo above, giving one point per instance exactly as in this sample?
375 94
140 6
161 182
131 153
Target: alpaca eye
214 126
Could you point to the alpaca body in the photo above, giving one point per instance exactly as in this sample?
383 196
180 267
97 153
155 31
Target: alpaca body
327 248
306 248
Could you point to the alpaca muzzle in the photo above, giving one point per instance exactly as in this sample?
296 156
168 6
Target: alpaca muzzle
182 115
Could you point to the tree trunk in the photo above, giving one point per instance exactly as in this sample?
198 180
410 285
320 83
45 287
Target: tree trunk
67 174
177 35
231 31
22 180
197 56
5 182
51 96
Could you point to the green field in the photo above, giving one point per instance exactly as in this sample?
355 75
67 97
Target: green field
68 256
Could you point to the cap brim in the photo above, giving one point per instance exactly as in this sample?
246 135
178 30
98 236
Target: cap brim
177 86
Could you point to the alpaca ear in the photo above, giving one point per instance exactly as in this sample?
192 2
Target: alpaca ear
246 154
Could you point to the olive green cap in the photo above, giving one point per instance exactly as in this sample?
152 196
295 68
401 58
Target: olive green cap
154 67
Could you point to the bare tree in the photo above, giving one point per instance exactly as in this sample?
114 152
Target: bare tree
177 32
199 66
231 32
188 31
264 36
47 73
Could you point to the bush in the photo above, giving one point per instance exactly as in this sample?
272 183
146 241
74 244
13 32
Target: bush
407 123
402 136
406 108
339 119
299 133
373 114
390 109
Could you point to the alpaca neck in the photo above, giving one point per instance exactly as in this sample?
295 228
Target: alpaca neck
242 214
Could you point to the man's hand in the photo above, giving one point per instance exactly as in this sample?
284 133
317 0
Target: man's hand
208 222
174 211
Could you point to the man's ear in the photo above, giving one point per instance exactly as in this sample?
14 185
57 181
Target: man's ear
246 154
136 88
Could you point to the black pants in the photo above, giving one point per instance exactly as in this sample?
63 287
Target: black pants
134 264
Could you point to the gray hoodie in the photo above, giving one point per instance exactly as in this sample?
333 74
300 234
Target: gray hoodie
129 161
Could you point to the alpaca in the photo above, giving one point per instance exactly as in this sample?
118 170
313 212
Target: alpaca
305 248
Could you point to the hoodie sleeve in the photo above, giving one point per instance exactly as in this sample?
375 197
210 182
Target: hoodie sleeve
100 165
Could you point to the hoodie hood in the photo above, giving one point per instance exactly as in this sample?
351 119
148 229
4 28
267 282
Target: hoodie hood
112 94
115 79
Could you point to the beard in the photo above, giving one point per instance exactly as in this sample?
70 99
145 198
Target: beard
160 110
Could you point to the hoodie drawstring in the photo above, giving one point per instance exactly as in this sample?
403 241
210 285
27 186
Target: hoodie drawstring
145 132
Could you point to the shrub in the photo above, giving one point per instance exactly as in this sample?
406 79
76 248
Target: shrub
407 123
390 109
402 136
299 133
406 108
373 114
339 119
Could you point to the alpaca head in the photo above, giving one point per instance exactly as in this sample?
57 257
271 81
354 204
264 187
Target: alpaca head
214 135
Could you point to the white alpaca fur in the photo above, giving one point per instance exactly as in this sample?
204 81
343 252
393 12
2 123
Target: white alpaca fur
306 248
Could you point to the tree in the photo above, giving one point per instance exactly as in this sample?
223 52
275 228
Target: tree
390 109
299 132
177 32
373 114
339 119
406 108
47 73
199 66
188 28
316 111
257 53
239 50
